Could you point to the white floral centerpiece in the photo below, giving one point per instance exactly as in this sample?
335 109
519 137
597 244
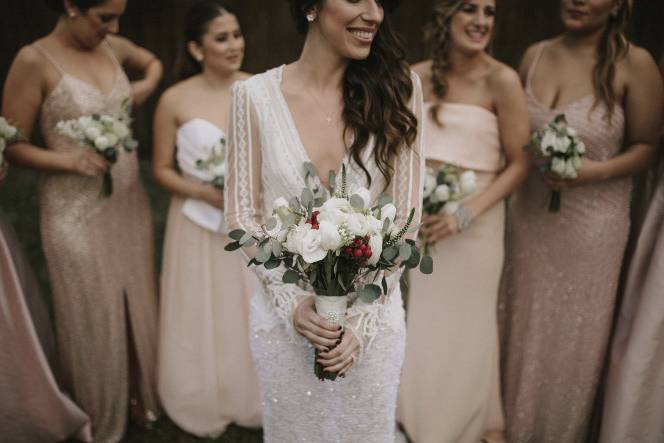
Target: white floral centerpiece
338 244
560 151
444 188
108 135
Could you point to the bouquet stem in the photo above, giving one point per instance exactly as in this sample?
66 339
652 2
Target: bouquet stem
554 203
106 185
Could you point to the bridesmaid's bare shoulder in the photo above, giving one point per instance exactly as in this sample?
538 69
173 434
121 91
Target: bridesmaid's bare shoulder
423 70
504 83
30 66
529 57
241 75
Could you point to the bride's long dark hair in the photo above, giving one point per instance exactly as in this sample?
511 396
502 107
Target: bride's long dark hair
376 92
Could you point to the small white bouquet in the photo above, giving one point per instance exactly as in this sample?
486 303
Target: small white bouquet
338 244
214 165
559 151
107 135
8 134
444 188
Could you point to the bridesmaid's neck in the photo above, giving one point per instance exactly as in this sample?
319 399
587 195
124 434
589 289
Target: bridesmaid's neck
582 41
64 34
218 80
462 62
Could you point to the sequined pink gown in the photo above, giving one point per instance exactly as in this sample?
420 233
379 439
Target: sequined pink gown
99 253
560 285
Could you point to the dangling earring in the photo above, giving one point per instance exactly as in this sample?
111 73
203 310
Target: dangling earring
311 17
199 58
72 14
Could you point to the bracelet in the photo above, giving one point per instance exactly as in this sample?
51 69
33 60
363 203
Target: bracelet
463 218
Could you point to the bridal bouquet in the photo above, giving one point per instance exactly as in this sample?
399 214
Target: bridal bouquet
560 151
338 244
444 188
108 135
8 134
214 165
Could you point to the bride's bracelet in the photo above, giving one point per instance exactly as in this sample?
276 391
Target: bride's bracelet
463 218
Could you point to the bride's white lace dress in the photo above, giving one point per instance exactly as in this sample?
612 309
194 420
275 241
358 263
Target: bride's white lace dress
265 161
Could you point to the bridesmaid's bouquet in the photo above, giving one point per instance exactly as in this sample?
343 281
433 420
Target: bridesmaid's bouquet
107 135
8 134
338 244
444 188
560 152
214 165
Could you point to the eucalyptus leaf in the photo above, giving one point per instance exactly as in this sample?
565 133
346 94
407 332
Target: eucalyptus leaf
386 225
233 246
414 259
290 276
307 197
426 265
294 204
370 293
272 263
390 253
383 200
332 180
237 234
288 220
263 255
250 243
245 238
310 169
356 201
271 223
405 252
277 249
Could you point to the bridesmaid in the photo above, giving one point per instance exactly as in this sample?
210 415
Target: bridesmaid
99 251
33 409
562 269
206 376
477 119
634 399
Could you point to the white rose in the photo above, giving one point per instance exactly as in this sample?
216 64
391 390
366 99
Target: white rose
558 166
442 193
84 121
571 132
429 184
388 211
581 147
8 131
468 182
330 239
376 245
112 139
570 170
219 170
280 203
335 210
562 144
92 132
450 208
548 142
312 251
576 161
120 129
365 195
356 224
102 143
106 119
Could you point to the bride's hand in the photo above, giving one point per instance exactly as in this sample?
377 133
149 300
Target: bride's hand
341 358
320 332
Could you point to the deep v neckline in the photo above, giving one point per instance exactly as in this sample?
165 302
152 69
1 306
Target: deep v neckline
290 121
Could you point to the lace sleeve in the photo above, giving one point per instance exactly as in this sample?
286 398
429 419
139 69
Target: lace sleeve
406 191
244 197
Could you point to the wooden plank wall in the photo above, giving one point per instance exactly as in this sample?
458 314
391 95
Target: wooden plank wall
272 39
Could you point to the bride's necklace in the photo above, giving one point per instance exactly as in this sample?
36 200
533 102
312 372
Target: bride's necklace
329 117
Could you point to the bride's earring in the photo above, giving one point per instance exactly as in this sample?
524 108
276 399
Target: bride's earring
311 17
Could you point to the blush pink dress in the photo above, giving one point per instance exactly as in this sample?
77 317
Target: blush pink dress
449 389
560 284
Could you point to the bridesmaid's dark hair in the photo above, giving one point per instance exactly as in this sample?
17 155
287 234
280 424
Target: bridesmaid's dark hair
83 5
613 47
197 21
376 92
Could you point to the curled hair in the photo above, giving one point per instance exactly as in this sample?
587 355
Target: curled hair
83 5
613 46
376 92
437 34
197 23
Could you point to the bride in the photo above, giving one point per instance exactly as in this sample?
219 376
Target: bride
349 99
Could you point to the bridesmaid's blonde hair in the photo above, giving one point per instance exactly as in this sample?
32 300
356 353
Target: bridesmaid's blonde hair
613 46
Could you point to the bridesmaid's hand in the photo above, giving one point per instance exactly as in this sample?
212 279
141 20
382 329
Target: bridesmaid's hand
211 195
436 227
591 171
87 162
341 358
320 332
